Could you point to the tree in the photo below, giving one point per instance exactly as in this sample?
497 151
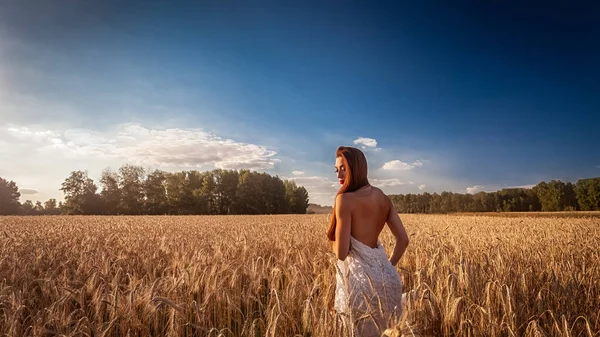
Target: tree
111 193
50 207
131 180
131 191
509 200
436 203
446 205
155 192
27 208
9 197
290 187
297 197
204 186
588 194
425 202
556 196
225 190
248 194
533 201
80 194
480 201
278 195
569 198
38 208
180 197
301 200
265 193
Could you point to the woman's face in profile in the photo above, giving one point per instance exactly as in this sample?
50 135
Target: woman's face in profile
340 170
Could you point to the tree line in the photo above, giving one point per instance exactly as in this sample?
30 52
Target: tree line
132 191
555 195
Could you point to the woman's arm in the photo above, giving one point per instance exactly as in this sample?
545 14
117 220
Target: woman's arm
341 245
397 228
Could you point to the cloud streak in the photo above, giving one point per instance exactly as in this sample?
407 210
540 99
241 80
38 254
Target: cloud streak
174 147
25 191
398 165
388 182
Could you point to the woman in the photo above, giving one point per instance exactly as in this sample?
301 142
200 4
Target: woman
369 290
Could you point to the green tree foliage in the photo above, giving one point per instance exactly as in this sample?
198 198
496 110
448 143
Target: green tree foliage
38 208
131 191
51 207
296 197
111 193
587 192
131 185
192 192
278 194
205 187
250 194
155 193
27 208
9 197
552 196
226 183
556 196
180 194
80 194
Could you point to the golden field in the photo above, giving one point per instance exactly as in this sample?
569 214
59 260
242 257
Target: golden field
273 276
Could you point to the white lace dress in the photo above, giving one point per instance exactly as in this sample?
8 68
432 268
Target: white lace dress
368 290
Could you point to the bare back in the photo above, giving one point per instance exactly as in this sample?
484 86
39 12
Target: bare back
370 209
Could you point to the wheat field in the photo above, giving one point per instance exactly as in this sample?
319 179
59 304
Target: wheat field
466 275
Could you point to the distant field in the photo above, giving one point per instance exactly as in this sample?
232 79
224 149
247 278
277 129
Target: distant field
318 209
273 276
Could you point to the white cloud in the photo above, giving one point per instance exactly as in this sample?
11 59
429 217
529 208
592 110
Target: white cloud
298 173
388 182
28 191
366 142
473 189
174 147
398 165
41 158
422 187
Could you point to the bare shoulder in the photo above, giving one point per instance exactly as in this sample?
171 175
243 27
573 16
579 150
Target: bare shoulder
344 203
380 193
344 198
377 190
382 198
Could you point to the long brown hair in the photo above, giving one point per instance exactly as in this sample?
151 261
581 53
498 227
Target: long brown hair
355 162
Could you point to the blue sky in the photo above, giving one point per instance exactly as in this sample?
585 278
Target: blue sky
463 97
